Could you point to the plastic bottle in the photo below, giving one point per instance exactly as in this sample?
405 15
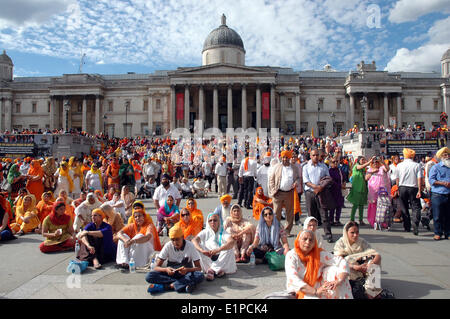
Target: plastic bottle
165 231
252 260
77 248
153 264
132 265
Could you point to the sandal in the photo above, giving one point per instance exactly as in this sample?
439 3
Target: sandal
210 275
437 237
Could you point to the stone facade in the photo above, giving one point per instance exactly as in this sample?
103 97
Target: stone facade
224 92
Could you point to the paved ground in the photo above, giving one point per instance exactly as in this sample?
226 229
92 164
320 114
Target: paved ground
412 267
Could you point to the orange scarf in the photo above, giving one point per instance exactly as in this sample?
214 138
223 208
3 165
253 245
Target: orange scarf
246 163
312 261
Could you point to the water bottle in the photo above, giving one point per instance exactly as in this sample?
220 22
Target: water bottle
132 265
252 260
77 248
153 264
165 231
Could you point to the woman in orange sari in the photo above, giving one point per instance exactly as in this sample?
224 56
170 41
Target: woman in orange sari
196 214
190 227
259 202
44 207
312 272
112 173
35 175
26 216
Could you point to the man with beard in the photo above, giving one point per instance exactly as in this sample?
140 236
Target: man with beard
164 190
262 175
439 179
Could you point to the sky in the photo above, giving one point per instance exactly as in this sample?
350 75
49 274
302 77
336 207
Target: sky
49 37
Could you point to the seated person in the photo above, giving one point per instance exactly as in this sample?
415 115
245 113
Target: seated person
270 236
311 223
199 187
176 183
97 246
312 272
183 272
196 214
57 229
79 200
359 256
44 208
137 240
119 206
84 210
114 219
148 189
242 231
216 249
190 226
224 208
186 188
5 232
27 219
168 214
259 202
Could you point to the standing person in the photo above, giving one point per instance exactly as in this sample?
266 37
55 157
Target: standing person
247 174
94 180
393 169
282 187
440 194
64 179
262 175
429 164
207 173
358 192
409 181
313 172
35 174
112 173
126 175
377 177
78 177
49 168
221 174
336 190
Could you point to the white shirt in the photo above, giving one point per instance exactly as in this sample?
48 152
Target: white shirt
161 193
252 168
393 172
186 186
207 168
287 178
121 209
221 169
312 174
169 253
408 172
262 178
148 170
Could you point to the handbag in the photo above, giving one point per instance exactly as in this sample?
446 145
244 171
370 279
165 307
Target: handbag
275 260
6 186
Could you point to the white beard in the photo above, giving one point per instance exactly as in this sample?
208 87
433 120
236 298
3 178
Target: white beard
446 162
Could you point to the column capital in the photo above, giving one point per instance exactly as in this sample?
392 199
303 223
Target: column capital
230 85
297 93
244 85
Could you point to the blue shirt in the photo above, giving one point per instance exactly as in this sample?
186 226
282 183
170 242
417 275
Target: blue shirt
313 173
440 173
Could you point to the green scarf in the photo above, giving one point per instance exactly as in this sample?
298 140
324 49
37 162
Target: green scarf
13 173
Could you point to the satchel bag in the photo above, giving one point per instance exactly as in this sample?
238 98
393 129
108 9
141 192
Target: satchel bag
275 260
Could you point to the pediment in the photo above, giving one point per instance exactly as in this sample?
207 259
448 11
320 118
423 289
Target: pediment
221 69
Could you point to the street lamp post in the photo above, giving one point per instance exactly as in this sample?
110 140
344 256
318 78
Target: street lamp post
318 117
67 106
364 109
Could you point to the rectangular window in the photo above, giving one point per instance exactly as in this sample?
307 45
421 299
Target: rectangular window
436 104
110 106
419 104
158 129
49 106
144 129
158 104
34 127
338 104
289 103
403 104
303 127
339 127
320 105
145 105
80 107
17 107
127 129
302 104
34 107
110 130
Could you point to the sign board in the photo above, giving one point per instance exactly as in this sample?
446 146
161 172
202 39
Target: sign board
17 149
422 147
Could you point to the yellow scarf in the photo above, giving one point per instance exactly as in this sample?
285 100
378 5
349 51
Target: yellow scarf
98 172
65 173
77 170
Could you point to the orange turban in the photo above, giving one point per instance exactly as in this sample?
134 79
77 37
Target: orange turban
226 197
287 154
409 153
100 212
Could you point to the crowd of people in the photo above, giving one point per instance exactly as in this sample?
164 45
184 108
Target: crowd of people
95 202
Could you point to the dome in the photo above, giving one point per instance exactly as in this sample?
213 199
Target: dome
446 55
4 58
223 36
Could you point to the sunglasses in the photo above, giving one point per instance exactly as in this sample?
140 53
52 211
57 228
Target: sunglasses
184 215
268 214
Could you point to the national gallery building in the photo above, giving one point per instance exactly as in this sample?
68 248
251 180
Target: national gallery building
223 92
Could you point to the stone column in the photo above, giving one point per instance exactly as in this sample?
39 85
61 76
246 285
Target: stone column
173 115
386 111
186 106
166 119
201 105
52 113
258 107
84 115
150 114
244 106
215 107
97 115
352 110
8 118
2 107
298 119
272 105
282 111
230 106
64 116
399 111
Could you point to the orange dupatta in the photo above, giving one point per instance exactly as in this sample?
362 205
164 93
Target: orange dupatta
258 207
131 229
196 214
312 261
36 187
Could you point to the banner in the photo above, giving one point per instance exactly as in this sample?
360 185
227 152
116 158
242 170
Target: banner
17 149
180 106
422 147
266 105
